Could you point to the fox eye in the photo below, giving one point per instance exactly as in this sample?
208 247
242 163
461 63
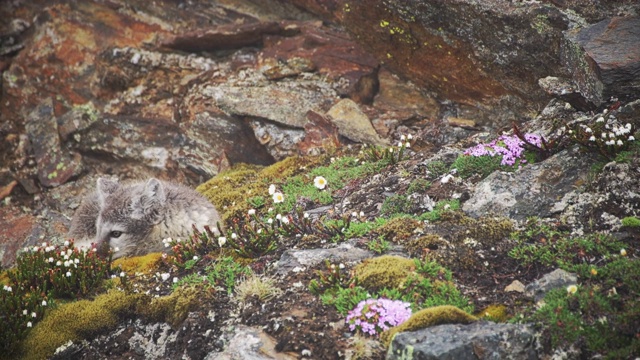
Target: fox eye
115 234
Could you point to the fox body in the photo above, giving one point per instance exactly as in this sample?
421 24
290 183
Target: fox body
133 218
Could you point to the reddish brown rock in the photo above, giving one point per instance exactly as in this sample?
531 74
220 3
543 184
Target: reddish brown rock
16 228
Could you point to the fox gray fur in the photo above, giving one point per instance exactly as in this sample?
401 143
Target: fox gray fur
133 218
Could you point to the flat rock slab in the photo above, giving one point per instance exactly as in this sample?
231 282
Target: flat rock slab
479 340
345 252
553 280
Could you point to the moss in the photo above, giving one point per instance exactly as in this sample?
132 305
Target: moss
172 308
425 243
399 229
78 320
496 312
631 221
4 277
229 190
424 318
384 272
139 264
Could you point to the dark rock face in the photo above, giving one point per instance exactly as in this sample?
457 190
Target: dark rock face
481 340
605 59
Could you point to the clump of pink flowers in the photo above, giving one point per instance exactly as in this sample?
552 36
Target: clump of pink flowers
374 316
510 147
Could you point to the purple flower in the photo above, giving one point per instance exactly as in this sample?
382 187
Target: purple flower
510 147
373 316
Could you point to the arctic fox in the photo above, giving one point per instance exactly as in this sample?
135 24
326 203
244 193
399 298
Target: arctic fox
133 218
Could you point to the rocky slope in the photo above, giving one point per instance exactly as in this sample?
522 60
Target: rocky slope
186 90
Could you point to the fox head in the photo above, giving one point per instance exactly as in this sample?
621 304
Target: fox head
127 214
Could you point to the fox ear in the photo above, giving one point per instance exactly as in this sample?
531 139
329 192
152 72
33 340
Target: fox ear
105 187
148 203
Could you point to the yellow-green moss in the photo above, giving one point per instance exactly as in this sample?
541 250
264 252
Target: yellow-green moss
399 229
384 272
230 189
424 318
78 320
4 278
172 308
139 264
496 312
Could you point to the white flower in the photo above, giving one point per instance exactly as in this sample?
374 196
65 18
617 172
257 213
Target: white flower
278 197
407 145
603 135
631 138
25 312
270 210
222 240
571 289
623 252
7 288
278 217
68 274
66 257
123 274
116 249
400 144
165 276
588 130
272 189
66 243
612 135
259 231
51 260
94 249
234 235
361 213
619 143
354 214
269 221
320 182
29 324
592 138
305 215
59 263
175 280
69 252
33 314
390 150
341 266
44 245
195 257
67 263
403 138
35 248
44 302
409 137
445 179
251 212
285 220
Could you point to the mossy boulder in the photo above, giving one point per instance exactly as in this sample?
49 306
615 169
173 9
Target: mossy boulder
172 308
78 320
139 264
399 229
384 272
424 318
495 312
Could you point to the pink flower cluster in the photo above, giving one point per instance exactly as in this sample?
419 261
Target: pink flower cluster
374 316
510 147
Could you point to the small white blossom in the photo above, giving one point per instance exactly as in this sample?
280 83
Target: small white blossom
116 249
612 135
59 263
35 248
25 312
341 266
272 189
407 145
390 150
619 143
305 215
165 276
270 210
68 274
278 217
269 221
278 197
66 263
400 144
66 243
631 138
403 138
259 231
588 130
66 257
445 179
361 213
234 236
571 289
409 137
592 138
51 260
603 135
195 257
285 220
44 302
251 212
320 182
33 314
69 252
354 214
222 240
623 252
44 245
29 324
175 280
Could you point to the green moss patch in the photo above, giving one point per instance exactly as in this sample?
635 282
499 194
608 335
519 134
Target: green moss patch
424 318
384 272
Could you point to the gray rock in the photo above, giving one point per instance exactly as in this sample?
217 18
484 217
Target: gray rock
344 252
555 279
248 343
479 340
532 191
353 124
